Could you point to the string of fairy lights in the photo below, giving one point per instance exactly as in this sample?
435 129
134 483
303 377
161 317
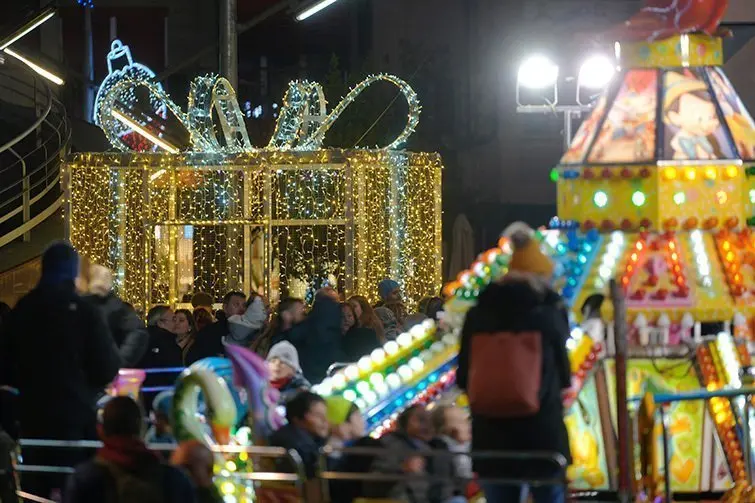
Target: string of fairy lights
283 219
278 222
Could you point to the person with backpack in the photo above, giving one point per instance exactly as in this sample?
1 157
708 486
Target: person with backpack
514 367
124 469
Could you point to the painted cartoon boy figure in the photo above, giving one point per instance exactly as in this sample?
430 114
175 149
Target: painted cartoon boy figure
688 107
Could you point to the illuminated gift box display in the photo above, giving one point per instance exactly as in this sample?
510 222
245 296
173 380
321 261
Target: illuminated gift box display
214 213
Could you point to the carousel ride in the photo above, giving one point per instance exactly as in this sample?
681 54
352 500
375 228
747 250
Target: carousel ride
656 190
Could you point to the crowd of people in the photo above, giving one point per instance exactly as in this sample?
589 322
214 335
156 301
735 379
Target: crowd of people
64 342
333 331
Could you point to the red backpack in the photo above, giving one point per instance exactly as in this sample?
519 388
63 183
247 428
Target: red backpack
505 372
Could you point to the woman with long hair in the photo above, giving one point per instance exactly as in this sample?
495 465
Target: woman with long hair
367 317
203 317
185 330
289 312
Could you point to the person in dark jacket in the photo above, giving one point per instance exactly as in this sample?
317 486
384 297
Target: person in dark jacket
127 329
285 371
522 302
209 340
357 341
124 469
403 454
163 351
56 349
306 431
317 338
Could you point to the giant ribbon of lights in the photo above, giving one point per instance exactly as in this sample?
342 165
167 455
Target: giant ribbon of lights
302 123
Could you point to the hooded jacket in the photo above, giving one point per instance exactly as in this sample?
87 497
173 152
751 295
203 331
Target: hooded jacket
244 328
520 303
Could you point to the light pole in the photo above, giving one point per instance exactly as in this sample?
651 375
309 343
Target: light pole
540 73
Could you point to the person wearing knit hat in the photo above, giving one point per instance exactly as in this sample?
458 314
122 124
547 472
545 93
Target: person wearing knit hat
521 306
347 426
285 372
526 255
388 290
57 350
60 264
345 419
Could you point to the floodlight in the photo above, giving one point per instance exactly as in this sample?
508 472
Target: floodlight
596 72
537 72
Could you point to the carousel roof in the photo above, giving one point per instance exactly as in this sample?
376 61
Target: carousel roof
652 115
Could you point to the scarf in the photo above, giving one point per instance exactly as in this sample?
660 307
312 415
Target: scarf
281 383
183 340
127 452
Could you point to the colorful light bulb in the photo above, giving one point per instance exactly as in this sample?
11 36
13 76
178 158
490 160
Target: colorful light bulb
638 198
600 199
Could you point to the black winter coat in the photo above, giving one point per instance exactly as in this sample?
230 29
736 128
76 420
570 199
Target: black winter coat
127 329
208 342
359 342
308 447
94 482
521 303
317 339
162 352
57 350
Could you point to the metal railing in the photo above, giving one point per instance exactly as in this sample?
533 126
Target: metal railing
295 479
558 462
30 162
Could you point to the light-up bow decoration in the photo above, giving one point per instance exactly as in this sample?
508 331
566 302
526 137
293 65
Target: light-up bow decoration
121 68
301 126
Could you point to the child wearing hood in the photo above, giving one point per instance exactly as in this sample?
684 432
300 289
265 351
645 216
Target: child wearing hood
244 328
285 372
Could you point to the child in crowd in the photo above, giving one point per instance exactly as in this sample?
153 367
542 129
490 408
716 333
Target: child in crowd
285 371
454 434
347 429
307 429
161 431
404 449
245 328
346 424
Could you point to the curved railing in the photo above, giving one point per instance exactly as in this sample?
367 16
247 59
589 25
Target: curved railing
30 161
